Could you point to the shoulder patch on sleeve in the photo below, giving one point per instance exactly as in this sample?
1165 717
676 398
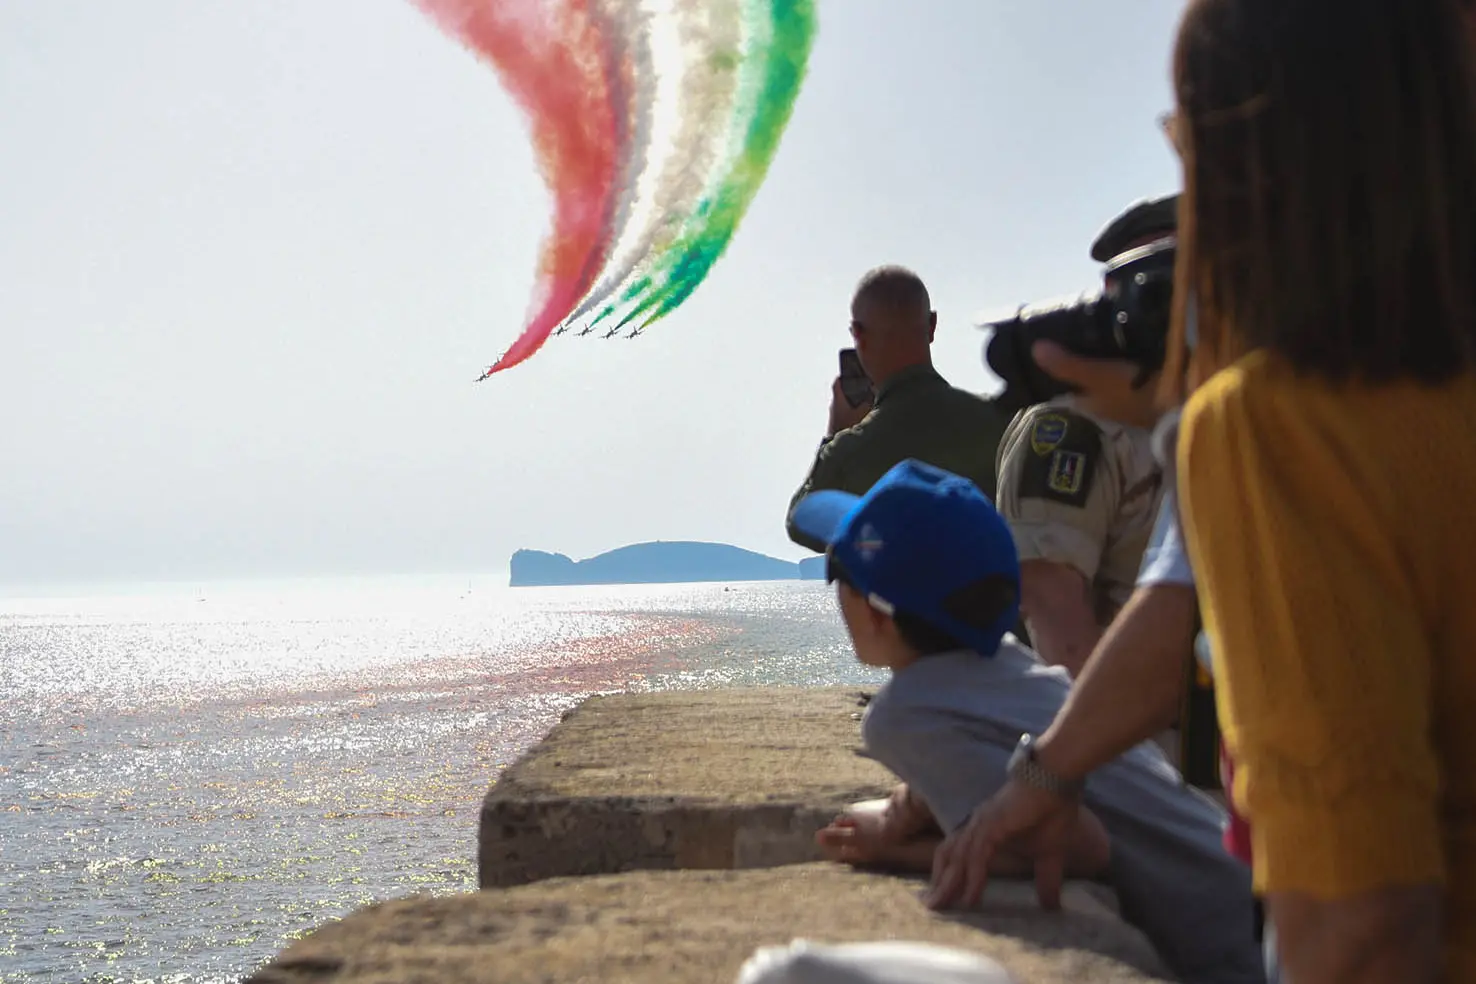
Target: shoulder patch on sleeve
1060 454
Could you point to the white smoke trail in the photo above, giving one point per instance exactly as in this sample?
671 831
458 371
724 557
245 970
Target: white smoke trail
629 23
695 56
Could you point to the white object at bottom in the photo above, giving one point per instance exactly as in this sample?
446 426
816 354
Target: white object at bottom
804 962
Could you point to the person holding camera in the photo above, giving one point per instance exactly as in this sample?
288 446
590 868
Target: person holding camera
1147 673
912 412
1080 491
1150 670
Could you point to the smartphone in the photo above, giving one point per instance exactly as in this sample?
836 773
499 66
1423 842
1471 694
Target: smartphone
854 382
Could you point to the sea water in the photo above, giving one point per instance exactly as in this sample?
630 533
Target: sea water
193 776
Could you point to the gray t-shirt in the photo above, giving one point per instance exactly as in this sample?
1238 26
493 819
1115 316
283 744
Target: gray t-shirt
947 725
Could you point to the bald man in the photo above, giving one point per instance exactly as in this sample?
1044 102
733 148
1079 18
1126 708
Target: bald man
916 413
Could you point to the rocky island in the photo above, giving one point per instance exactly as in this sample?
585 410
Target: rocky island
659 563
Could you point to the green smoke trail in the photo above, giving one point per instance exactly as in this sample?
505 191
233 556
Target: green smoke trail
763 111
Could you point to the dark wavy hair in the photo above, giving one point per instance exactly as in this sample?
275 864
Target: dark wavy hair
1329 205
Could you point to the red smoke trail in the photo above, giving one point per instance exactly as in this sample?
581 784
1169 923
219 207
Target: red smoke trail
555 62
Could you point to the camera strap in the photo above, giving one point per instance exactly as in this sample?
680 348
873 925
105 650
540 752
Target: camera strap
1199 724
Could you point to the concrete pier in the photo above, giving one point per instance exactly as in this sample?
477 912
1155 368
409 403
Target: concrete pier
663 838
715 779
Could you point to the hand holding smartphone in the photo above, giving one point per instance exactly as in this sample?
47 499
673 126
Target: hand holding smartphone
855 384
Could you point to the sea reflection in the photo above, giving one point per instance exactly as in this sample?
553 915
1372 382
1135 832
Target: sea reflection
185 785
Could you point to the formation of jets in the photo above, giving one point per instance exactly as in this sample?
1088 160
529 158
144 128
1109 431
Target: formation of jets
635 332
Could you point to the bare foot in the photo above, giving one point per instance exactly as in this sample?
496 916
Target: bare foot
856 836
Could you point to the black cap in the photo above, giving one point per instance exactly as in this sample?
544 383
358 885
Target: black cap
1149 217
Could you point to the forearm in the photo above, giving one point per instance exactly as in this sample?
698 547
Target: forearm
824 474
1067 645
1057 606
1131 686
1383 937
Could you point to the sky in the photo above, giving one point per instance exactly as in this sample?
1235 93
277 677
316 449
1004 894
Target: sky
253 254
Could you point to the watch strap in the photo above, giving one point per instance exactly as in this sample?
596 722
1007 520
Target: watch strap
1024 766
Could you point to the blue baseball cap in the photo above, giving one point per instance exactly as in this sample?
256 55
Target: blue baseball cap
926 543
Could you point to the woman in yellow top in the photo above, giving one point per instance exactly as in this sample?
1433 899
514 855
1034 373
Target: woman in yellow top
1327 461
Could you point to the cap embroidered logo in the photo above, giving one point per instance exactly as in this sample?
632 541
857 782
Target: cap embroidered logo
868 542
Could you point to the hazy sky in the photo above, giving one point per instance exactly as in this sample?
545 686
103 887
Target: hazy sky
253 253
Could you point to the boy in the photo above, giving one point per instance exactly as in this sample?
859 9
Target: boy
928 585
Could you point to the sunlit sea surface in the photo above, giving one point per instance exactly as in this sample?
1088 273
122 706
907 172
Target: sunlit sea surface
191 777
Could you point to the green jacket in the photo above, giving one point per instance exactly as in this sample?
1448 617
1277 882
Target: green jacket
917 415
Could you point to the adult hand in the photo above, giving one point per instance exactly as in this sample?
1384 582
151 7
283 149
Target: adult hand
1031 821
1105 385
842 415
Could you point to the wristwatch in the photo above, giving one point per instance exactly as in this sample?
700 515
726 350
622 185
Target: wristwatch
1025 767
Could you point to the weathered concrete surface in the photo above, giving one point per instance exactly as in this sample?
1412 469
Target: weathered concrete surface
720 779
685 927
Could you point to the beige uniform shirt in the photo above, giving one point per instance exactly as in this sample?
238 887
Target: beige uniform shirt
1081 491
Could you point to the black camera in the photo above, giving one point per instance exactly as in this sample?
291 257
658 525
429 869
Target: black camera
1128 318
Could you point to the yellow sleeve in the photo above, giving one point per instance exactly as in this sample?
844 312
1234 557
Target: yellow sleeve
1322 659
